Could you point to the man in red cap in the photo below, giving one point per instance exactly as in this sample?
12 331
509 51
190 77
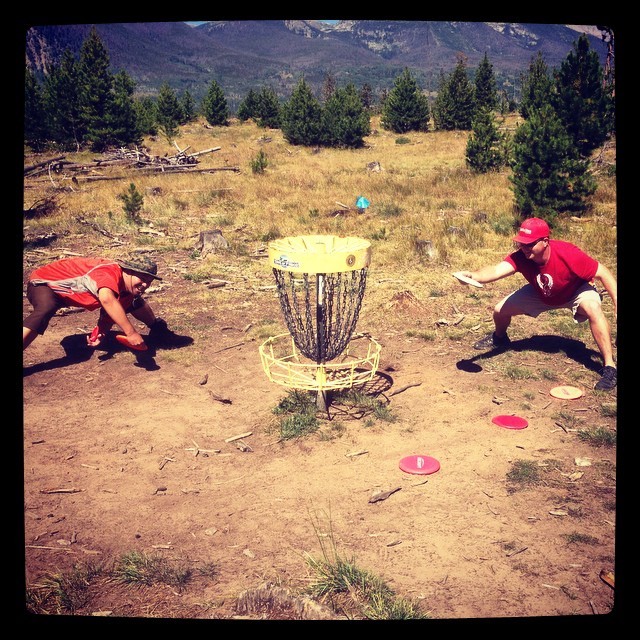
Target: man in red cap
560 276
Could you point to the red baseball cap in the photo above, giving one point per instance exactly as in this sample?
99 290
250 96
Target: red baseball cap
532 229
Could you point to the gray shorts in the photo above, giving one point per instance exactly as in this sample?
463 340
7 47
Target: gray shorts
527 301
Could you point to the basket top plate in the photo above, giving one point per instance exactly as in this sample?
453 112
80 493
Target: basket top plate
319 254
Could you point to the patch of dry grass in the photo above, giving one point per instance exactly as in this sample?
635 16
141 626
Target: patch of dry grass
429 215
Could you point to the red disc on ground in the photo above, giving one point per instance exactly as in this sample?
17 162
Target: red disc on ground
510 422
420 465
122 339
565 392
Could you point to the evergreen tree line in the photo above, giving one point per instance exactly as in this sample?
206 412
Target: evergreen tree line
82 104
567 115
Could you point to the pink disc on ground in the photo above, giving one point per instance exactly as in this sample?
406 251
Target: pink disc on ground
421 465
510 422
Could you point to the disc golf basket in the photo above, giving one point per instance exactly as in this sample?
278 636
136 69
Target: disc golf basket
320 282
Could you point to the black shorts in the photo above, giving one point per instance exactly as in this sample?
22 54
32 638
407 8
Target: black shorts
45 303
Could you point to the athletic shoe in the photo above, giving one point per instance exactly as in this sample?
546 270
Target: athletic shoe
161 336
159 326
492 341
609 379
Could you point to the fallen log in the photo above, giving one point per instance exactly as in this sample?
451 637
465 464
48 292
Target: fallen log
186 169
44 163
165 169
81 219
199 153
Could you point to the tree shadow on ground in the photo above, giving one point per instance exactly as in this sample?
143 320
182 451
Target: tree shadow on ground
574 349
76 351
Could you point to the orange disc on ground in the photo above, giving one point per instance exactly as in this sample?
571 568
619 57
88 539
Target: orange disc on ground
122 339
565 392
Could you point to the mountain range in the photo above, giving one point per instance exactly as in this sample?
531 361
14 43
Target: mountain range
245 54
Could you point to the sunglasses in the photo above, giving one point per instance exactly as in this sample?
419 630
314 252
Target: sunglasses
529 246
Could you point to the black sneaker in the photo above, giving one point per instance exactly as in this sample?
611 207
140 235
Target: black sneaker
159 326
609 379
161 336
492 341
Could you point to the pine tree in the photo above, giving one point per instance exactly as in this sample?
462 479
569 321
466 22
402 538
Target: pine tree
328 87
214 106
486 93
65 124
132 203
536 87
366 95
146 115
248 107
168 111
486 147
443 108
125 128
548 177
455 104
96 92
580 99
301 116
406 108
267 109
187 107
344 120
35 130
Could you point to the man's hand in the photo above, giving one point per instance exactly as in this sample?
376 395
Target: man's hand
95 337
135 339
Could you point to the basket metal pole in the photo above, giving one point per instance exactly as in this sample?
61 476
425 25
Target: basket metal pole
321 348
321 396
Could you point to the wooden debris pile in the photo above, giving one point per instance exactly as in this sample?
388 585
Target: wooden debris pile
138 159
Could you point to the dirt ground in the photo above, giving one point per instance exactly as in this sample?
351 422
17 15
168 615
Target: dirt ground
125 453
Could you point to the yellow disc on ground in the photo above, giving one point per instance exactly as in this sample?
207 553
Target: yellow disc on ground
319 254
